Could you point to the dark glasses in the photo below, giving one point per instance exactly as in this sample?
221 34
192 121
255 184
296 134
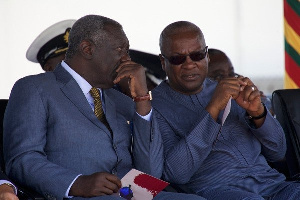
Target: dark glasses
180 59
126 193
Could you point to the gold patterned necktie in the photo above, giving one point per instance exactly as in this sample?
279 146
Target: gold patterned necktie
98 110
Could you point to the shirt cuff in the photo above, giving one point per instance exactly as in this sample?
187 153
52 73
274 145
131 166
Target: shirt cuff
146 117
68 190
5 181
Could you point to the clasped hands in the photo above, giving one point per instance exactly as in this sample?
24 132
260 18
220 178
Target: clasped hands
242 90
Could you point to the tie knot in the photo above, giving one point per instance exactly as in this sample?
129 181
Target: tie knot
95 93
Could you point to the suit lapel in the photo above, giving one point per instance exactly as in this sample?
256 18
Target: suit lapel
110 114
73 92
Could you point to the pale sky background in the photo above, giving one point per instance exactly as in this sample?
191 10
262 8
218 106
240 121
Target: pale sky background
249 31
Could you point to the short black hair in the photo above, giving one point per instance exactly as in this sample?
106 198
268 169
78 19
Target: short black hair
175 28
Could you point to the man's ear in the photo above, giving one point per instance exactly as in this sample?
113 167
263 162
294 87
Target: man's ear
162 62
87 49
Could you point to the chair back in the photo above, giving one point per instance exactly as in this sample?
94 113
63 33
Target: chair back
286 106
3 103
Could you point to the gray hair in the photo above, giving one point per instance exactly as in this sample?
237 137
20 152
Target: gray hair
91 28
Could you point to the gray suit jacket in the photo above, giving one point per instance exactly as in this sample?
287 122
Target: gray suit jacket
51 135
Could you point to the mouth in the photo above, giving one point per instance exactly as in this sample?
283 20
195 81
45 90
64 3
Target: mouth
190 77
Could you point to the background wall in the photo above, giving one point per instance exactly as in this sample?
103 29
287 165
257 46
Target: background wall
249 31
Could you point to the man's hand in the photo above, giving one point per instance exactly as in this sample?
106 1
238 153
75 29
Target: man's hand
135 75
250 99
7 193
97 184
226 88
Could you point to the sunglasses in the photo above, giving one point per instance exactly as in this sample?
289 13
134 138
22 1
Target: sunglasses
126 192
194 56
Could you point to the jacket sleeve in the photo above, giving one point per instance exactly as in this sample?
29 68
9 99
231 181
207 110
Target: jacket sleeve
25 134
185 154
272 139
147 146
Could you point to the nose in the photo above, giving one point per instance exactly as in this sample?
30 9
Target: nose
125 57
189 63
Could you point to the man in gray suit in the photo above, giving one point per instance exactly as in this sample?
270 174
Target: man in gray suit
53 141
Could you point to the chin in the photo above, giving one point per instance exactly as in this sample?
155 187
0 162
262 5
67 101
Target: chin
193 90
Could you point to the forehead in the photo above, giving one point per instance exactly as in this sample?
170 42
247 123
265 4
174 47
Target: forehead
184 42
220 67
117 37
219 61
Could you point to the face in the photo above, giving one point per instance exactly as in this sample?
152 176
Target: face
186 78
220 67
51 63
107 58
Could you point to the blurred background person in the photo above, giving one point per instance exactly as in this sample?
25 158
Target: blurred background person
49 48
220 67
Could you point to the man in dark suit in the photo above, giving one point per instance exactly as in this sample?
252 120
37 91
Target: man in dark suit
68 134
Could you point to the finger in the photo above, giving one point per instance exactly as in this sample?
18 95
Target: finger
129 71
247 80
241 83
254 95
124 64
246 93
134 69
232 87
238 81
250 93
114 179
105 191
112 188
119 77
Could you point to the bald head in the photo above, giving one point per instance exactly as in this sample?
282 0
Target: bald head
178 28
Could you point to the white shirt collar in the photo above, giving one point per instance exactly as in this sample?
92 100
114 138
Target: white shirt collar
83 84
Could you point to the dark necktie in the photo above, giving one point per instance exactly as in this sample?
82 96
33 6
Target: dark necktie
98 110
